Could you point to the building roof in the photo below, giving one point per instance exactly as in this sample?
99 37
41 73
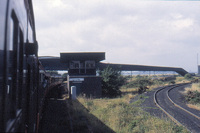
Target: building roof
97 56
53 63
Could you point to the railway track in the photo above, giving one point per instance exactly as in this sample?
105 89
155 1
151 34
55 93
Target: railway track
178 114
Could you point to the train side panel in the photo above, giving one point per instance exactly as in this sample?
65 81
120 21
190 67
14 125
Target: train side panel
3 10
19 72
16 36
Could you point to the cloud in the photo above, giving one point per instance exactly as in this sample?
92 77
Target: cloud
162 33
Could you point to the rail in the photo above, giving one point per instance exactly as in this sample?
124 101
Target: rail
170 116
175 104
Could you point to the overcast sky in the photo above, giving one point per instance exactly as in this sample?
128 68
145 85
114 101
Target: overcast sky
160 33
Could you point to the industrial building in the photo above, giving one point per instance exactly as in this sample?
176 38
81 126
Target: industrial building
82 67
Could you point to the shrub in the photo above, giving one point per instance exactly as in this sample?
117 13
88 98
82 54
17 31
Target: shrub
178 129
193 97
188 76
112 80
141 83
172 82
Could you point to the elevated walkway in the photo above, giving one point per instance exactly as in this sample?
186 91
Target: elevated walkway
54 63
130 67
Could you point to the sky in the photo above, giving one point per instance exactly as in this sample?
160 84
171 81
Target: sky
158 33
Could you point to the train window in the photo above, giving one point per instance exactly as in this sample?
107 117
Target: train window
14 62
30 34
20 55
11 35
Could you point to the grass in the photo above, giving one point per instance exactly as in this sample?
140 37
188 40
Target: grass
133 91
194 87
117 115
181 80
194 106
156 83
192 95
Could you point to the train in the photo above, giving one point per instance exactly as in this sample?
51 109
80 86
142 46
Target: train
23 83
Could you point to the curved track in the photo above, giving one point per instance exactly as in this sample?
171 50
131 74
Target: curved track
178 114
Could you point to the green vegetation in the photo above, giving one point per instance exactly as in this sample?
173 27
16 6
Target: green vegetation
193 97
181 79
112 80
117 115
193 94
114 84
188 76
143 83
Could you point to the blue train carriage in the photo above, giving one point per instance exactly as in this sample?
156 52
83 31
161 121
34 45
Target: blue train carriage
19 71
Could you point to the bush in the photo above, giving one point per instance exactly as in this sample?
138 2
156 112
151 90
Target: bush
141 83
178 129
172 82
112 80
188 76
193 97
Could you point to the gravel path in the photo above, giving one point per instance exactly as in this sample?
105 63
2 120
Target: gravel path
148 103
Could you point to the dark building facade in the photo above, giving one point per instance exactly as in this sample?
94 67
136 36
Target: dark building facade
89 86
82 72
198 69
82 63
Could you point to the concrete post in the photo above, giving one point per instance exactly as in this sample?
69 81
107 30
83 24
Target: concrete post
73 92
68 86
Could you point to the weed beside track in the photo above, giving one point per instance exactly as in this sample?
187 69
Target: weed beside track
118 115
